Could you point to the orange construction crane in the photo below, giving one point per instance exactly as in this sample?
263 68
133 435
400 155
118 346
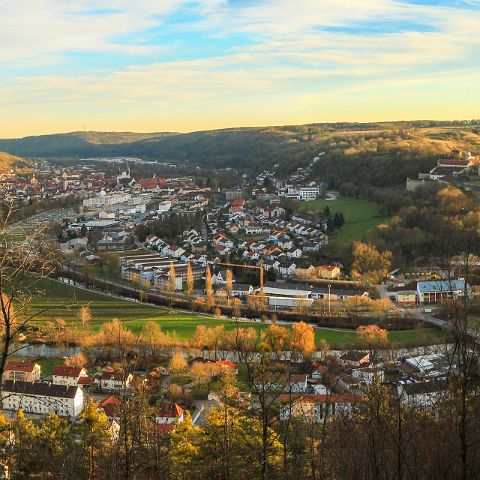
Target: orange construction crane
246 266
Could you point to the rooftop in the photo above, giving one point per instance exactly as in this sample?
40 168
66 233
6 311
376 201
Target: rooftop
40 388
442 286
20 366
66 371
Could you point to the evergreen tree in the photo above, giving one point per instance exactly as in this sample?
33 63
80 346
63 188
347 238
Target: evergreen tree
94 434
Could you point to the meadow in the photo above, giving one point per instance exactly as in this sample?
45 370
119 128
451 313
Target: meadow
360 215
60 300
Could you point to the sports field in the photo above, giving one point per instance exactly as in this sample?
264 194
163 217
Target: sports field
360 215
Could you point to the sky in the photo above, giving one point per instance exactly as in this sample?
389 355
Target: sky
181 65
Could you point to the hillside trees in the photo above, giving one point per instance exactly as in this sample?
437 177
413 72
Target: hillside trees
369 264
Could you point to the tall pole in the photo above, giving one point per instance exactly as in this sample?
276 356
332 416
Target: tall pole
329 286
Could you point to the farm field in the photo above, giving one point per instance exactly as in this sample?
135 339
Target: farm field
360 215
63 301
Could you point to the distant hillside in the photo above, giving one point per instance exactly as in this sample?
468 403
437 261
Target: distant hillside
74 144
7 162
398 148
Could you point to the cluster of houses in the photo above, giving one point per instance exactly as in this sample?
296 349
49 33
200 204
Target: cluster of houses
418 381
255 232
64 392
297 185
155 270
68 389
459 163
115 206
251 232
314 391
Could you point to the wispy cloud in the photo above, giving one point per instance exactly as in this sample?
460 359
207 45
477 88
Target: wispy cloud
198 63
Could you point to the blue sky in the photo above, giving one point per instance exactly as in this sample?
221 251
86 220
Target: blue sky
158 65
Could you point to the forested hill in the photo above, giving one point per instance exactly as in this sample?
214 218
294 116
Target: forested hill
8 162
75 144
384 153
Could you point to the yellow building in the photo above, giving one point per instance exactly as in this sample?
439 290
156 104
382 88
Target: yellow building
22 371
328 272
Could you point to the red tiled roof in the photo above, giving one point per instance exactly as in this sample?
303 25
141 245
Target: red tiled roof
111 406
118 376
109 401
85 381
66 371
170 410
20 366
463 162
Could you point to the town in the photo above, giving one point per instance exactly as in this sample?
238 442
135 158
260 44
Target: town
256 264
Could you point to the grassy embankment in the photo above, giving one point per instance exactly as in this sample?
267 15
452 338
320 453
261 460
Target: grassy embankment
63 301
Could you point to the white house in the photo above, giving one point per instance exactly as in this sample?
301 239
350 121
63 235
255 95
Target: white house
368 375
65 375
164 206
287 269
294 253
173 251
169 413
253 230
434 291
421 394
296 383
115 380
241 289
42 398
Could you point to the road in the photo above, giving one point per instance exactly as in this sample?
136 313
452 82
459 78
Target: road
436 322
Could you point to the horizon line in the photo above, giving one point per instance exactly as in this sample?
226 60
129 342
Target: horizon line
245 127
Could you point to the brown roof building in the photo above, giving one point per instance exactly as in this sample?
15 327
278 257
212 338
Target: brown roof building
22 371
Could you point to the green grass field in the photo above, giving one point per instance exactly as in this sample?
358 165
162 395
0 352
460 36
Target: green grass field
63 301
360 215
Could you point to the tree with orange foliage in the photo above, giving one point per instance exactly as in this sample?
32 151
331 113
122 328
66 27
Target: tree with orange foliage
210 299
276 338
114 338
229 283
369 264
452 200
201 372
177 364
84 315
302 341
372 337
190 280
79 360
